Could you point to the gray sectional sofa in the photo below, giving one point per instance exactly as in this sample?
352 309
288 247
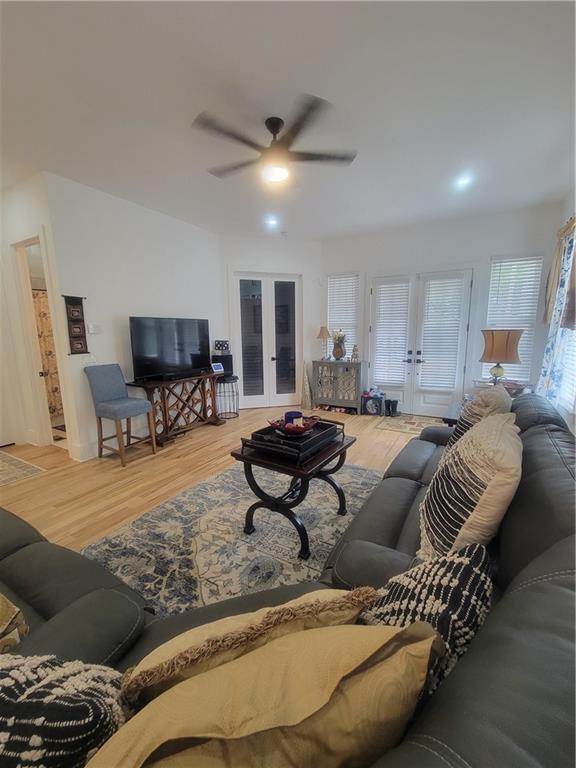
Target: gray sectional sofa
509 702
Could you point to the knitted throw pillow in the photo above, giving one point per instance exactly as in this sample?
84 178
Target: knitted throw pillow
56 714
486 403
452 593
472 487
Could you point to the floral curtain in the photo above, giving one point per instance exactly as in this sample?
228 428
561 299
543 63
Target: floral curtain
561 315
47 352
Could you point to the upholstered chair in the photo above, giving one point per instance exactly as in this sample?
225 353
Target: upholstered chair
111 401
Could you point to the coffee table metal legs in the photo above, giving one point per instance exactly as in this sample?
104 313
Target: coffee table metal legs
284 504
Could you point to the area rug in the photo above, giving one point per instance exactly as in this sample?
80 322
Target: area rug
405 423
13 469
192 551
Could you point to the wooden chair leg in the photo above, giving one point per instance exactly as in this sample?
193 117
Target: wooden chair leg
100 441
120 439
128 430
152 429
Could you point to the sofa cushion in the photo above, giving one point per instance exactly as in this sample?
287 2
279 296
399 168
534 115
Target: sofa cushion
158 631
534 410
542 511
98 628
365 564
54 713
418 458
510 700
13 627
487 402
50 577
471 491
203 648
452 593
16 533
329 697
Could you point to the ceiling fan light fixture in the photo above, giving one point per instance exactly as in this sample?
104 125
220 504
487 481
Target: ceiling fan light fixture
274 173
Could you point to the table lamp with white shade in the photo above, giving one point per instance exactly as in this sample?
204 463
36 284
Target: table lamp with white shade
324 334
500 346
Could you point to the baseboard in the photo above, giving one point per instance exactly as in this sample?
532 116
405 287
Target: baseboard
82 451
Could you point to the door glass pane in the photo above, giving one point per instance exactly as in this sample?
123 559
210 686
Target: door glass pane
441 332
285 336
251 332
390 328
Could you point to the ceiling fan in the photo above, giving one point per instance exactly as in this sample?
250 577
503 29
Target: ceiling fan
276 158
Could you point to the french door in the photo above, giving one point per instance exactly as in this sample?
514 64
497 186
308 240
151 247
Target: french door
267 336
418 338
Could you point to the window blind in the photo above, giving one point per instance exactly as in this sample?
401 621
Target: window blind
441 328
343 300
390 332
513 303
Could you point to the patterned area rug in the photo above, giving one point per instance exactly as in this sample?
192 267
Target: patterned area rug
13 469
192 550
405 423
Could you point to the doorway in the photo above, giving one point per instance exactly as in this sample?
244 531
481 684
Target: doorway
42 349
267 334
418 338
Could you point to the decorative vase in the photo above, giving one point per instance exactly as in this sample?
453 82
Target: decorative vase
339 350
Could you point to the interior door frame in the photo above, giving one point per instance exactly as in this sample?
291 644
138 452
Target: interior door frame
269 397
439 402
406 395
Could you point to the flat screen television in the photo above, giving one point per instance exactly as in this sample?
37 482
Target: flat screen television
168 347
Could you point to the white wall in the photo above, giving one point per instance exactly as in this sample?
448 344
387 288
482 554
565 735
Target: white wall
469 241
126 260
281 255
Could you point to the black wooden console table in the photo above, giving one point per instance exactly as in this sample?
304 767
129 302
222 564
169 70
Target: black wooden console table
180 405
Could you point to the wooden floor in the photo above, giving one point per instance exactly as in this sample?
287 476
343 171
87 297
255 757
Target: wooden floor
76 503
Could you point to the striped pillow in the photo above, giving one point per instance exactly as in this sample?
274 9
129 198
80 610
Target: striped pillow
56 714
452 593
472 487
486 403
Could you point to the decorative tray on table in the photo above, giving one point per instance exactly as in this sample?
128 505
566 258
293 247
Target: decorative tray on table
297 447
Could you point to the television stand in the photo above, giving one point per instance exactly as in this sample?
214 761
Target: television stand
179 405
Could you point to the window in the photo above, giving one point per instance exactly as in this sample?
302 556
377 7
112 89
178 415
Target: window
567 393
390 331
513 303
343 299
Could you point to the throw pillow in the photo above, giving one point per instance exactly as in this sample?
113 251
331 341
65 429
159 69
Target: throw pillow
53 713
211 645
472 487
486 403
452 593
330 696
13 627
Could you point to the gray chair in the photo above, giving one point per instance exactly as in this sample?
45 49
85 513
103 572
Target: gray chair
111 401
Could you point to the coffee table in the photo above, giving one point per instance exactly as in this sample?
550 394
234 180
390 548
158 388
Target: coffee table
315 468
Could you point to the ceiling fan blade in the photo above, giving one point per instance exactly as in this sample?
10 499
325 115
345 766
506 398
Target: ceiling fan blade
211 124
310 109
323 157
226 170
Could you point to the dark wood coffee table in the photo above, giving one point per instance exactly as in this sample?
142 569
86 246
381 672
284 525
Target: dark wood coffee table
315 468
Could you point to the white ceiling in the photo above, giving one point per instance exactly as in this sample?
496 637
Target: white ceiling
104 93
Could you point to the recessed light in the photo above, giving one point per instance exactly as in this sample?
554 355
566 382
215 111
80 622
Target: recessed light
463 181
271 221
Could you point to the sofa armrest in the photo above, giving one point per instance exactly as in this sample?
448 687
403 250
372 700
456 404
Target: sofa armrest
437 435
365 564
98 628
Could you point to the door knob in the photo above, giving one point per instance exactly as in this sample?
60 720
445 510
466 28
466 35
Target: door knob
408 361
273 358
420 361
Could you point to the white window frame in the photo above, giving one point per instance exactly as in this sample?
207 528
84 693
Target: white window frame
534 327
336 326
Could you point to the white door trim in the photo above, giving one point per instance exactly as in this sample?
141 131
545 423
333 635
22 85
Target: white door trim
269 397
